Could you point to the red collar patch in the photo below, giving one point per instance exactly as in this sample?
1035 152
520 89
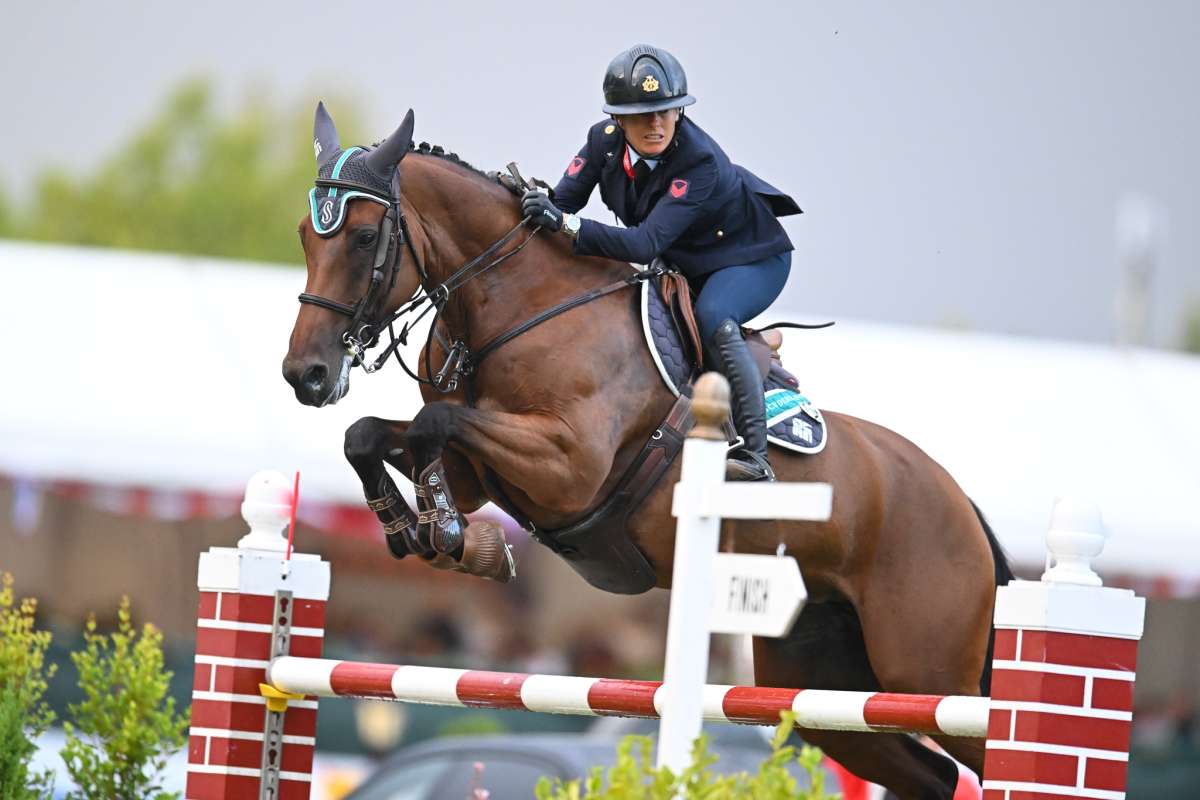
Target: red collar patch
576 165
678 188
628 164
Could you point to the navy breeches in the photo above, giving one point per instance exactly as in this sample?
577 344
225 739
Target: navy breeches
740 292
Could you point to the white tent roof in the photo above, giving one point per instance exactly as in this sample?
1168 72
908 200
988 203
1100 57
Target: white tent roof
164 371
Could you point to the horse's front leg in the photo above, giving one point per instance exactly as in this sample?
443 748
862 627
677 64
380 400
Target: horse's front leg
370 443
438 531
538 453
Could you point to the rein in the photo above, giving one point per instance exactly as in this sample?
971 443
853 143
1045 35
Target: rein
366 324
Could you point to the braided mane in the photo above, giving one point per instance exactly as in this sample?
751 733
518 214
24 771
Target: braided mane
436 150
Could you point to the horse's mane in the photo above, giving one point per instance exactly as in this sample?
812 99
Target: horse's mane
437 151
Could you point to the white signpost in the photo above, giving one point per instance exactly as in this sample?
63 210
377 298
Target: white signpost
727 593
756 595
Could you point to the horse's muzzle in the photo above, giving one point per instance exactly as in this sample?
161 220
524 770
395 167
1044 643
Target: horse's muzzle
311 381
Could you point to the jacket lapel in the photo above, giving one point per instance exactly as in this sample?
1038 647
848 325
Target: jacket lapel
653 190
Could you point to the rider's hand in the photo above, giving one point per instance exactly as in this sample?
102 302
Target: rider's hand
537 205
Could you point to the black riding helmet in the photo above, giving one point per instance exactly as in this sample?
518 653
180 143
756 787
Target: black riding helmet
645 78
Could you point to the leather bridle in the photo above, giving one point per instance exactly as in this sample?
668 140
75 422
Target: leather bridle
367 320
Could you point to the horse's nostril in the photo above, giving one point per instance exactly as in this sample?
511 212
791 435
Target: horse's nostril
314 377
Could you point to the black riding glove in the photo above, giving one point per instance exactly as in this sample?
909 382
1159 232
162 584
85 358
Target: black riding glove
542 210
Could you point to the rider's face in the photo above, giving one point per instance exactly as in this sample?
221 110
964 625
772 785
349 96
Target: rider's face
649 133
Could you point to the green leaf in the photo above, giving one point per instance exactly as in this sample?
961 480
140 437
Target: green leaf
120 735
633 776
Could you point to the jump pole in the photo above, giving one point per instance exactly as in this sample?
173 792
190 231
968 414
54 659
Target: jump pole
1057 724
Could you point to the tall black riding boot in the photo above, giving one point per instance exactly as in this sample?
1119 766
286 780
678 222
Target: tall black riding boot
748 462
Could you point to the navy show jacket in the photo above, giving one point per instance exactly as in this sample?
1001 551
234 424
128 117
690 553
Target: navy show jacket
697 209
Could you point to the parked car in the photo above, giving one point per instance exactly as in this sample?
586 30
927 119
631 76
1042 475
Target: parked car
448 768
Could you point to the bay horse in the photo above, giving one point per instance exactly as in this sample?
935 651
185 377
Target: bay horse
902 577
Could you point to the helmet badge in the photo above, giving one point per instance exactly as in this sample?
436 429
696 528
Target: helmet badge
650 84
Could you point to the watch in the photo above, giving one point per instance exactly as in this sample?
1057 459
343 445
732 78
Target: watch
571 224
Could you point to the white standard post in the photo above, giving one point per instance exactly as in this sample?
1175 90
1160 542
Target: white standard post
696 539
698 605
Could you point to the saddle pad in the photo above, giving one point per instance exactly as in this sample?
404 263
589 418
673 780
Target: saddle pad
663 339
793 422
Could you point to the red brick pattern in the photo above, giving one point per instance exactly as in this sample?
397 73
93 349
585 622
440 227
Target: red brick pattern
226 698
1038 687
1115 695
1022 765
1058 690
1079 650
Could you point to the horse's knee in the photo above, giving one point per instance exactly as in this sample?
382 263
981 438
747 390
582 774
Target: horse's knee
363 440
432 426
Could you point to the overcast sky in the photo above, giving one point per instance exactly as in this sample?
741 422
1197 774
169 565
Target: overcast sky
959 162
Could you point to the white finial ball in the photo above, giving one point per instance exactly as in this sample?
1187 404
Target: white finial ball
1076 536
267 509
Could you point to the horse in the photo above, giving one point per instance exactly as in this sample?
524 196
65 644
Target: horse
902 577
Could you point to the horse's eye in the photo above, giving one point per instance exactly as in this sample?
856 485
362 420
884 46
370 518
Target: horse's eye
365 238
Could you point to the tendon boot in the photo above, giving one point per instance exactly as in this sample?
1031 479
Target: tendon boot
438 522
748 462
476 548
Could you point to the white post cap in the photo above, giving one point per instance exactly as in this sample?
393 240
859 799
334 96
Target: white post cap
1076 536
267 509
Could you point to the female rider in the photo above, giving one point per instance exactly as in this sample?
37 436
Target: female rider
680 197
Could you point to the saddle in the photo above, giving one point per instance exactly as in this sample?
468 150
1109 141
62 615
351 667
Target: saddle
672 336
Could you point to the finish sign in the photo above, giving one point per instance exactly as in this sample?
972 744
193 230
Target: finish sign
757 595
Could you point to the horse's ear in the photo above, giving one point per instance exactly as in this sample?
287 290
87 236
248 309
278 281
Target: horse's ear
384 158
325 138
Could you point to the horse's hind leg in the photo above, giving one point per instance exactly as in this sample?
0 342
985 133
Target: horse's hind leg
825 650
932 639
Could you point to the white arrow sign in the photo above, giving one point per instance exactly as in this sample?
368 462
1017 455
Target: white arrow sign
758 595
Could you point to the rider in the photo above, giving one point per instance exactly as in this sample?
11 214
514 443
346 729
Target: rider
679 196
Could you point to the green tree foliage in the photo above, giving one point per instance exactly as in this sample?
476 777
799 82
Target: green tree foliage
24 675
634 777
193 180
1191 329
5 215
126 726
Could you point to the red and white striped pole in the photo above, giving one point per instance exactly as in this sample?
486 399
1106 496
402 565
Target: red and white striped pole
561 694
245 594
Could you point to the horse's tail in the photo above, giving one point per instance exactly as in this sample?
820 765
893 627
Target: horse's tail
1004 574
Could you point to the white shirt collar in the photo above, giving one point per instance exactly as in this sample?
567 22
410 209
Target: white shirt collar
634 157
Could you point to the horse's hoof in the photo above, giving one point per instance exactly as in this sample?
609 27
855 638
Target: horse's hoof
487 554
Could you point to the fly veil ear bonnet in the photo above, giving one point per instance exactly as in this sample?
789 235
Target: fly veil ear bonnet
370 174
356 172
